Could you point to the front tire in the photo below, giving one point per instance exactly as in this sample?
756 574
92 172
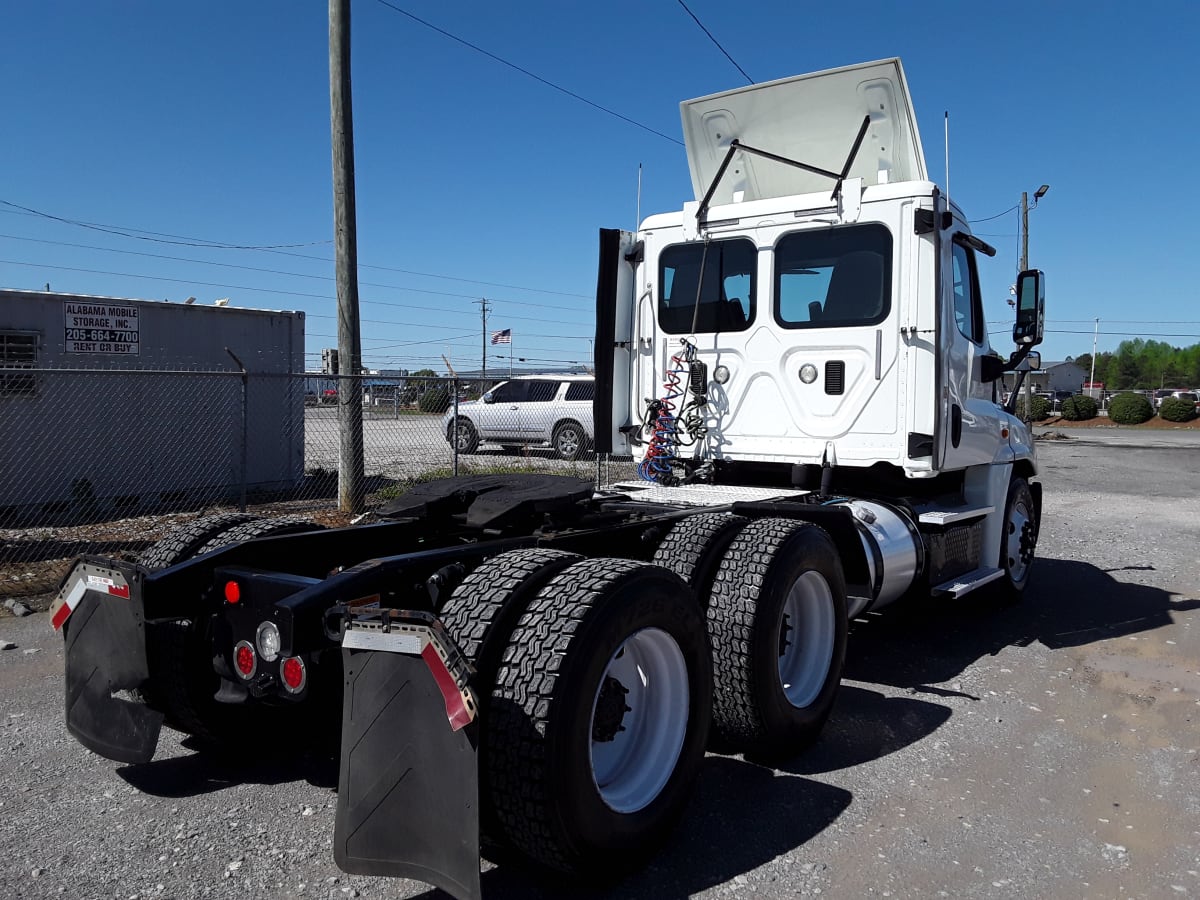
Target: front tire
598 720
777 623
463 436
1018 542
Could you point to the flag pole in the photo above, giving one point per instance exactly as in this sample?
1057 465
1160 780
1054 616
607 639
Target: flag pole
510 355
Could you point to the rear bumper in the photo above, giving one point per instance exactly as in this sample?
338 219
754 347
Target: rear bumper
99 610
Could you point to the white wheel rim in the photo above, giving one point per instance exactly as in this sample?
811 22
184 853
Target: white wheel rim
806 644
633 767
1018 520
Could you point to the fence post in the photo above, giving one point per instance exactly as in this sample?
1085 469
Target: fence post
454 425
245 418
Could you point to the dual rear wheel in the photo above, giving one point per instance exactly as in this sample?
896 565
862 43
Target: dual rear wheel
597 686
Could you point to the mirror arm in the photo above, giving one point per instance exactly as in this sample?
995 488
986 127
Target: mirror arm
992 368
1011 406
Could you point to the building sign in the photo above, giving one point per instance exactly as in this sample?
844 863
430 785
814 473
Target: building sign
96 327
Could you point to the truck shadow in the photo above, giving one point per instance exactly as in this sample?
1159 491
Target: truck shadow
1067 604
770 812
206 772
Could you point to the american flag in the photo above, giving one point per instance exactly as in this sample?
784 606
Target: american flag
502 337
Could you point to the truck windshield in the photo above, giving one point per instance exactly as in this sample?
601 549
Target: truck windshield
834 277
726 297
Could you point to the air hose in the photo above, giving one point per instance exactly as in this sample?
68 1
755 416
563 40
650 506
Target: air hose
670 429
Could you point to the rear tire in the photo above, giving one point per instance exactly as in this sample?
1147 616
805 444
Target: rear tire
598 720
777 624
184 542
569 440
694 547
481 614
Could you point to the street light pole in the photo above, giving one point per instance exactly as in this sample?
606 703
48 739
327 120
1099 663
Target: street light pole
1092 380
1038 195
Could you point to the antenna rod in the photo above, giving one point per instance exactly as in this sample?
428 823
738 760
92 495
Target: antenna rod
947 160
638 221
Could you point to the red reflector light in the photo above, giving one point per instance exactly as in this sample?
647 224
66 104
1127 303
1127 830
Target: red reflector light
244 659
233 593
293 674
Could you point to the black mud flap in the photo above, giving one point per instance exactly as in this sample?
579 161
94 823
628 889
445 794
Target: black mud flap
408 788
106 654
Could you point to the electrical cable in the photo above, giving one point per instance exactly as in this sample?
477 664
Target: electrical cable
205 262
996 216
524 71
185 243
716 42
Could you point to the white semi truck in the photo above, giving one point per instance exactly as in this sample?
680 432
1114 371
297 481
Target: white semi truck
799 362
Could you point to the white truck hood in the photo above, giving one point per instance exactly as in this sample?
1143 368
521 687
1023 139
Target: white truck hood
812 119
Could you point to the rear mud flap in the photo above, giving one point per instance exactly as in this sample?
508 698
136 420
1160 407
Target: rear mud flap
408 785
106 654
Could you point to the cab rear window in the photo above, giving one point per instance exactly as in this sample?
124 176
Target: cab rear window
833 277
707 286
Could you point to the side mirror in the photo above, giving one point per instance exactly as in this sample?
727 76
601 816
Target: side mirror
488 398
1031 308
1034 360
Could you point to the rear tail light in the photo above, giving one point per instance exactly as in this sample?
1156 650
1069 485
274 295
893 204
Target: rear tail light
233 592
245 660
293 674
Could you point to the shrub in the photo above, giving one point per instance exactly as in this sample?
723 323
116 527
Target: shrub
1177 409
1041 408
1079 408
435 400
1130 409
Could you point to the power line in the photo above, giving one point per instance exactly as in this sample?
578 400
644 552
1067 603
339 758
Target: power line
309 256
190 242
715 41
523 71
996 216
250 288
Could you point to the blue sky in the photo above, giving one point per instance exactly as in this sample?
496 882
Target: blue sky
211 121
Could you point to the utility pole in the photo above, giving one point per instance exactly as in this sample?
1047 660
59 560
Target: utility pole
1092 381
483 311
1024 266
341 121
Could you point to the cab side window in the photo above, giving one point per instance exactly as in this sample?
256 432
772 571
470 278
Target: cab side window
968 305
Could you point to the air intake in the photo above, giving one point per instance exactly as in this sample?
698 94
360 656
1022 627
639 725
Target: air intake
835 377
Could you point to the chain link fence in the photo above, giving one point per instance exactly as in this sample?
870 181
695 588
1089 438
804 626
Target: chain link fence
108 461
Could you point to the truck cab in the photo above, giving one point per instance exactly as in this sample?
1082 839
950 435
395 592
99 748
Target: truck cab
820 291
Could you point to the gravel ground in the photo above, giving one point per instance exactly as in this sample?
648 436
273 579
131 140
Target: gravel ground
1047 750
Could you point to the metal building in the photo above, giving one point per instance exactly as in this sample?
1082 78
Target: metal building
113 405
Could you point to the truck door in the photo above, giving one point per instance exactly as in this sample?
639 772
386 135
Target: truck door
616 283
970 418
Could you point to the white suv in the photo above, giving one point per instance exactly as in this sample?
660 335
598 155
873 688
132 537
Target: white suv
528 409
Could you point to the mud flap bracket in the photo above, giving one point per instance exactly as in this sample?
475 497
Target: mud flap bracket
408 784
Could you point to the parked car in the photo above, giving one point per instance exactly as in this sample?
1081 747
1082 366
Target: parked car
527 410
1193 396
